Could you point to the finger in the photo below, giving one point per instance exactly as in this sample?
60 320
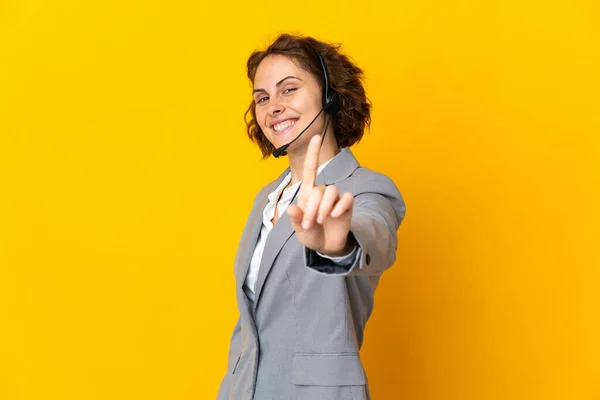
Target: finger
311 163
330 197
312 206
343 206
296 215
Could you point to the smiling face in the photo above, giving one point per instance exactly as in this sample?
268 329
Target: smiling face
286 99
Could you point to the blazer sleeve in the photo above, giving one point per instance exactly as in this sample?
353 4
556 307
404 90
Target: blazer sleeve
234 354
376 217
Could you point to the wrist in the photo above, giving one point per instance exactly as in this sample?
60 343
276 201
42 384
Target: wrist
350 244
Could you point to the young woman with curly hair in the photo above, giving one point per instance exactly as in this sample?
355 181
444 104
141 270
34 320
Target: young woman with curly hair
318 237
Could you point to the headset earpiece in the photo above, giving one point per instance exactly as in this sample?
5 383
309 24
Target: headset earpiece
330 100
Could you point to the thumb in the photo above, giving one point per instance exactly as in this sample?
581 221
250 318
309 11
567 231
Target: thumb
296 214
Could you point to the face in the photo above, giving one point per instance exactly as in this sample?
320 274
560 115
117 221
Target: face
286 99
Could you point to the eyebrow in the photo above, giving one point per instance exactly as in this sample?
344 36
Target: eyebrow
277 84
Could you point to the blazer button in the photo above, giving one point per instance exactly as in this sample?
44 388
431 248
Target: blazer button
368 259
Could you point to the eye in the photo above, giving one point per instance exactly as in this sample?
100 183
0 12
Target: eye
289 90
262 99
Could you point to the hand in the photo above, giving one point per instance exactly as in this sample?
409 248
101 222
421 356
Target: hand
322 218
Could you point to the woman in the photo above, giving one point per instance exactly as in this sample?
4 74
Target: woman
318 237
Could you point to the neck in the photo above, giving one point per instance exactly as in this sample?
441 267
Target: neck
328 150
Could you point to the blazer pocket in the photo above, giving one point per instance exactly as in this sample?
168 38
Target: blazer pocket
236 364
317 369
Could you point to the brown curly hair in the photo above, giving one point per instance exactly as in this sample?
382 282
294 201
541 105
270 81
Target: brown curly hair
345 78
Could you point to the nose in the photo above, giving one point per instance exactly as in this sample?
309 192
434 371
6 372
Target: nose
276 109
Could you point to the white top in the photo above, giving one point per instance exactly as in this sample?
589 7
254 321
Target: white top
267 225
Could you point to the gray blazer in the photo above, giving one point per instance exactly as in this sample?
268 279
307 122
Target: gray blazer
300 338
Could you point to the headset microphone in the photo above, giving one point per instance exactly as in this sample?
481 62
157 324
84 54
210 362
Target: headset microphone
330 107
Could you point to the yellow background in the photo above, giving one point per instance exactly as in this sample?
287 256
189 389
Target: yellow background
126 178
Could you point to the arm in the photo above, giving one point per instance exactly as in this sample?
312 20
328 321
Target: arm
375 221
370 214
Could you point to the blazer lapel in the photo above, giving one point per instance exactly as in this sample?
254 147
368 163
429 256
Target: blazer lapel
281 232
248 242
251 232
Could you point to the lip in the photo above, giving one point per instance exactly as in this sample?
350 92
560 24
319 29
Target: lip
272 124
277 133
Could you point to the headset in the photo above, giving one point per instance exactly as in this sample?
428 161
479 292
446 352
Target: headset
330 106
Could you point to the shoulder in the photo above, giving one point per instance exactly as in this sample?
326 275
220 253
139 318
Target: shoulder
264 191
373 189
365 180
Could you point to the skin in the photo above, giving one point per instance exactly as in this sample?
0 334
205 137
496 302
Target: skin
283 90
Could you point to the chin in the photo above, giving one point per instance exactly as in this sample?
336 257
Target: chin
281 139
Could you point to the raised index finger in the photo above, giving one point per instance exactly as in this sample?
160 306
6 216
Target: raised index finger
311 162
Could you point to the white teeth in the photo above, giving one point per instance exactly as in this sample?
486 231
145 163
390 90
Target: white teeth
281 126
